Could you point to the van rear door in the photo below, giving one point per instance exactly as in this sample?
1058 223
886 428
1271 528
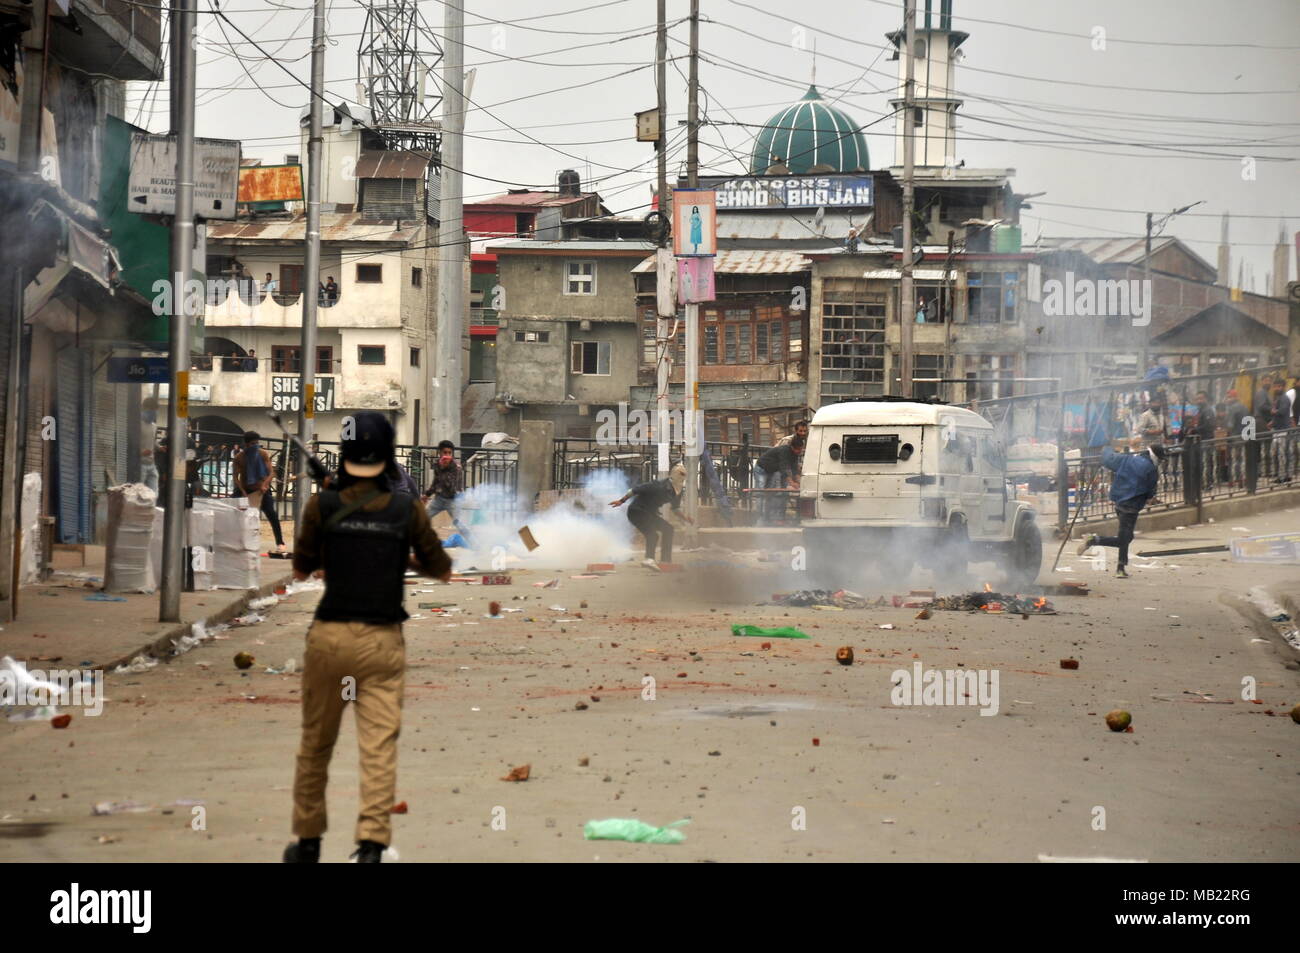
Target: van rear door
870 474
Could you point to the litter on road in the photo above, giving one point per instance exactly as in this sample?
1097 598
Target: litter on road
782 632
633 830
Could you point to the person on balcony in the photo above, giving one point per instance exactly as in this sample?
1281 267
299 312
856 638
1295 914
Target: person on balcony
250 362
331 292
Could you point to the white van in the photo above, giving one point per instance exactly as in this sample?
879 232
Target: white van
895 482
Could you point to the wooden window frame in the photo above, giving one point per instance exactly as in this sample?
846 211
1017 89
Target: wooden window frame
383 349
379 271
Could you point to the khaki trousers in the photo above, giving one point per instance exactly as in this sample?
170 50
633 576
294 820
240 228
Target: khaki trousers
365 664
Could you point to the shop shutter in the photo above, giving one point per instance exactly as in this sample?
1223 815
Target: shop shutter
74 451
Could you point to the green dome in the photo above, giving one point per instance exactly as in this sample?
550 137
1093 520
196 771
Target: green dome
810 136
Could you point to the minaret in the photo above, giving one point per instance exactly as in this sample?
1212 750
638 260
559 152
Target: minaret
1225 255
1280 272
934 116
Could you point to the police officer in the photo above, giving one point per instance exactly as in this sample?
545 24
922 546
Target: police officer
360 533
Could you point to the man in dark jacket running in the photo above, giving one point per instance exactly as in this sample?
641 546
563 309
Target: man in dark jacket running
647 499
1134 484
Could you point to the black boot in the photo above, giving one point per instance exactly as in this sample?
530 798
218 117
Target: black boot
306 851
369 852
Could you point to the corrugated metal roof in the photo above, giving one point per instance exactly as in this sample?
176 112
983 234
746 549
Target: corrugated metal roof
334 228
530 199
528 245
391 165
787 226
753 262
1121 250
920 274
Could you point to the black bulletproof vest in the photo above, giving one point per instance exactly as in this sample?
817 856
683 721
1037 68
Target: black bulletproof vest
365 558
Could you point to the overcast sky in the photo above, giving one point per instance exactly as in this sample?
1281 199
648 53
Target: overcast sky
1183 92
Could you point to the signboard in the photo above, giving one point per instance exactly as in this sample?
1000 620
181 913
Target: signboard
786 192
10 126
695 223
151 188
1279 548
695 280
137 370
285 395
270 183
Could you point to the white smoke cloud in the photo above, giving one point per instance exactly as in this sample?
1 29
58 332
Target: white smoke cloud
578 530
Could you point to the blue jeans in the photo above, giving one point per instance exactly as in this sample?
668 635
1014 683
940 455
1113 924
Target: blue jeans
769 504
440 504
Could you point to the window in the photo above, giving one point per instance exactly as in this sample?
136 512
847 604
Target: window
579 277
415 357
417 277
918 117
589 357
371 354
532 337
482 359
995 372
370 274
928 365
287 359
735 333
933 303
990 297
853 340
290 279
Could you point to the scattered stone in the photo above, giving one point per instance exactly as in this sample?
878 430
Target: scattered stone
583 762
519 774
580 706
1070 663
1118 720
712 754
844 655
244 661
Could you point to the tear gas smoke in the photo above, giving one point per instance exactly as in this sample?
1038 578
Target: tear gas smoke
577 530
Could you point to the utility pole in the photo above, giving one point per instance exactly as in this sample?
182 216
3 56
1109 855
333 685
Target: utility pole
691 409
311 260
446 380
663 328
183 61
1146 283
907 294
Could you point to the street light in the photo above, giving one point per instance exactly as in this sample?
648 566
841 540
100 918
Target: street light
1146 261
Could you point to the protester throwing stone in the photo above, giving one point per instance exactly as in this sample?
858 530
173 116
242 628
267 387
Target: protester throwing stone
1134 485
647 499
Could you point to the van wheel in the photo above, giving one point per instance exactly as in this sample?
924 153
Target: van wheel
1025 555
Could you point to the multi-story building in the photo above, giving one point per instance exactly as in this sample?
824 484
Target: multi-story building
376 294
71 291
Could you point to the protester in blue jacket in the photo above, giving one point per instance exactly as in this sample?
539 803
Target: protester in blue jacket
1133 486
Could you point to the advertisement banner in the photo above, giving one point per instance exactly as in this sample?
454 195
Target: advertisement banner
695 280
695 223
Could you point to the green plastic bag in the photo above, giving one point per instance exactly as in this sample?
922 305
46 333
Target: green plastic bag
639 832
785 632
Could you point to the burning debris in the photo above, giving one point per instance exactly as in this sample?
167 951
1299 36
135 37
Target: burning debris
995 602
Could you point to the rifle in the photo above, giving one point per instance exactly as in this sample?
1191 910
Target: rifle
314 467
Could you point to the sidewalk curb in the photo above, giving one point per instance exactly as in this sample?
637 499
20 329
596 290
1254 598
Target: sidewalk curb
160 640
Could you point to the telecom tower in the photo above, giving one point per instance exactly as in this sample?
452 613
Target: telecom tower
398 52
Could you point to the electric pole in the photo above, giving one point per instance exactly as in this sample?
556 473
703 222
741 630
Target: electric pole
663 328
446 380
311 260
691 409
178 339
907 305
